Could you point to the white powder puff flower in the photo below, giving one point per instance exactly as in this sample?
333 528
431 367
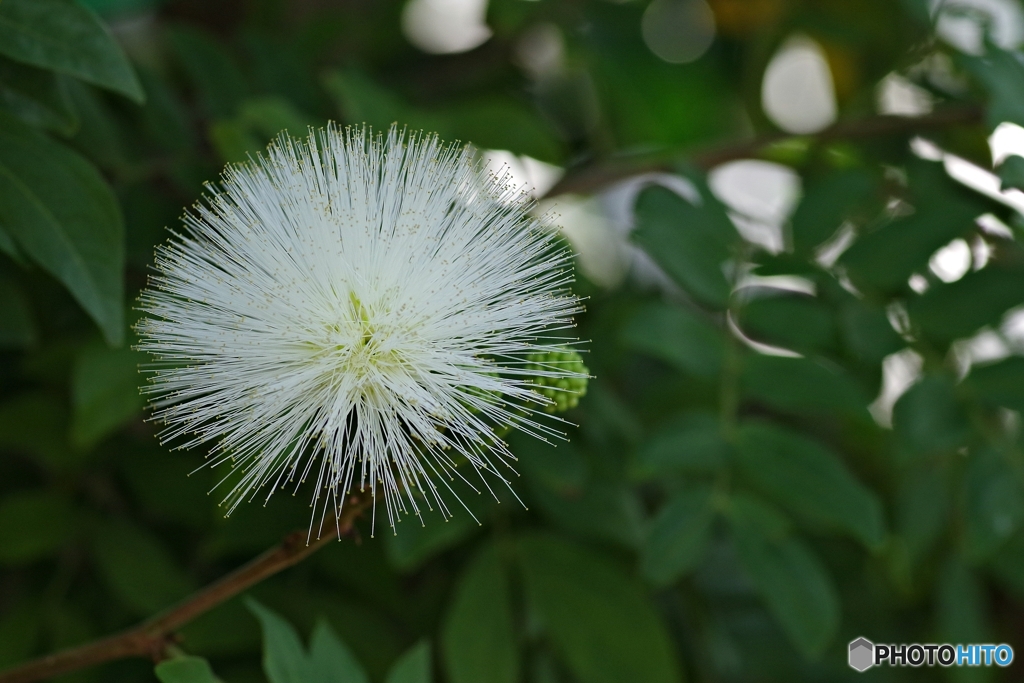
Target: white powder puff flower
365 308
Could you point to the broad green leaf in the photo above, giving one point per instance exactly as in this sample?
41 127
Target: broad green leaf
958 309
827 203
330 660
33 524
413 666
559 467
104 392
993 503
415 541
17 327
678 536
884 259
791 320
923 505
678 336
998 384
1001 72
360 100
63 215
36 96
269 116
99 135
211 69
478 640
138 568
789 577
802 386
692 243
867 332
600 621
809 480
962 612
64 36
233 140
929 417
284 658
185 669
499 123
605 510
1011 173
691 443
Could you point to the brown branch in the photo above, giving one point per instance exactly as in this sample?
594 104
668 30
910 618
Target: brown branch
152 637
592 178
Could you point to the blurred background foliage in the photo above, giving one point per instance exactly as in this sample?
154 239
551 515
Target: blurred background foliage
799 234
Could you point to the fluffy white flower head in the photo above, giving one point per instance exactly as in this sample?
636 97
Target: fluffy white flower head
360 308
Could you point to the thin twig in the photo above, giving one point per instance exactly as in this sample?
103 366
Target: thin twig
592 178
152 637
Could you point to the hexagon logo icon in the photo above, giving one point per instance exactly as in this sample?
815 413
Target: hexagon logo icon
862 654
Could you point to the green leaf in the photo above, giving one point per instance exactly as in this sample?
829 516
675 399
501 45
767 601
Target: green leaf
678 336
790 320
599 620
884 259
415 542
994 503
64 216
958 309
212 70
929 417
478 640
998 384
1002 74
33 524
923 506
691 443
499 123
284 658
787 575
558 467
104 392
690 242
678 536
962 610
65 36
138 568
413 666
1011 173
17 328
99 136
809 480
330 660
233 140
867 332
605 510
269 116
801 386
36 96
827 203
360 100
185 669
